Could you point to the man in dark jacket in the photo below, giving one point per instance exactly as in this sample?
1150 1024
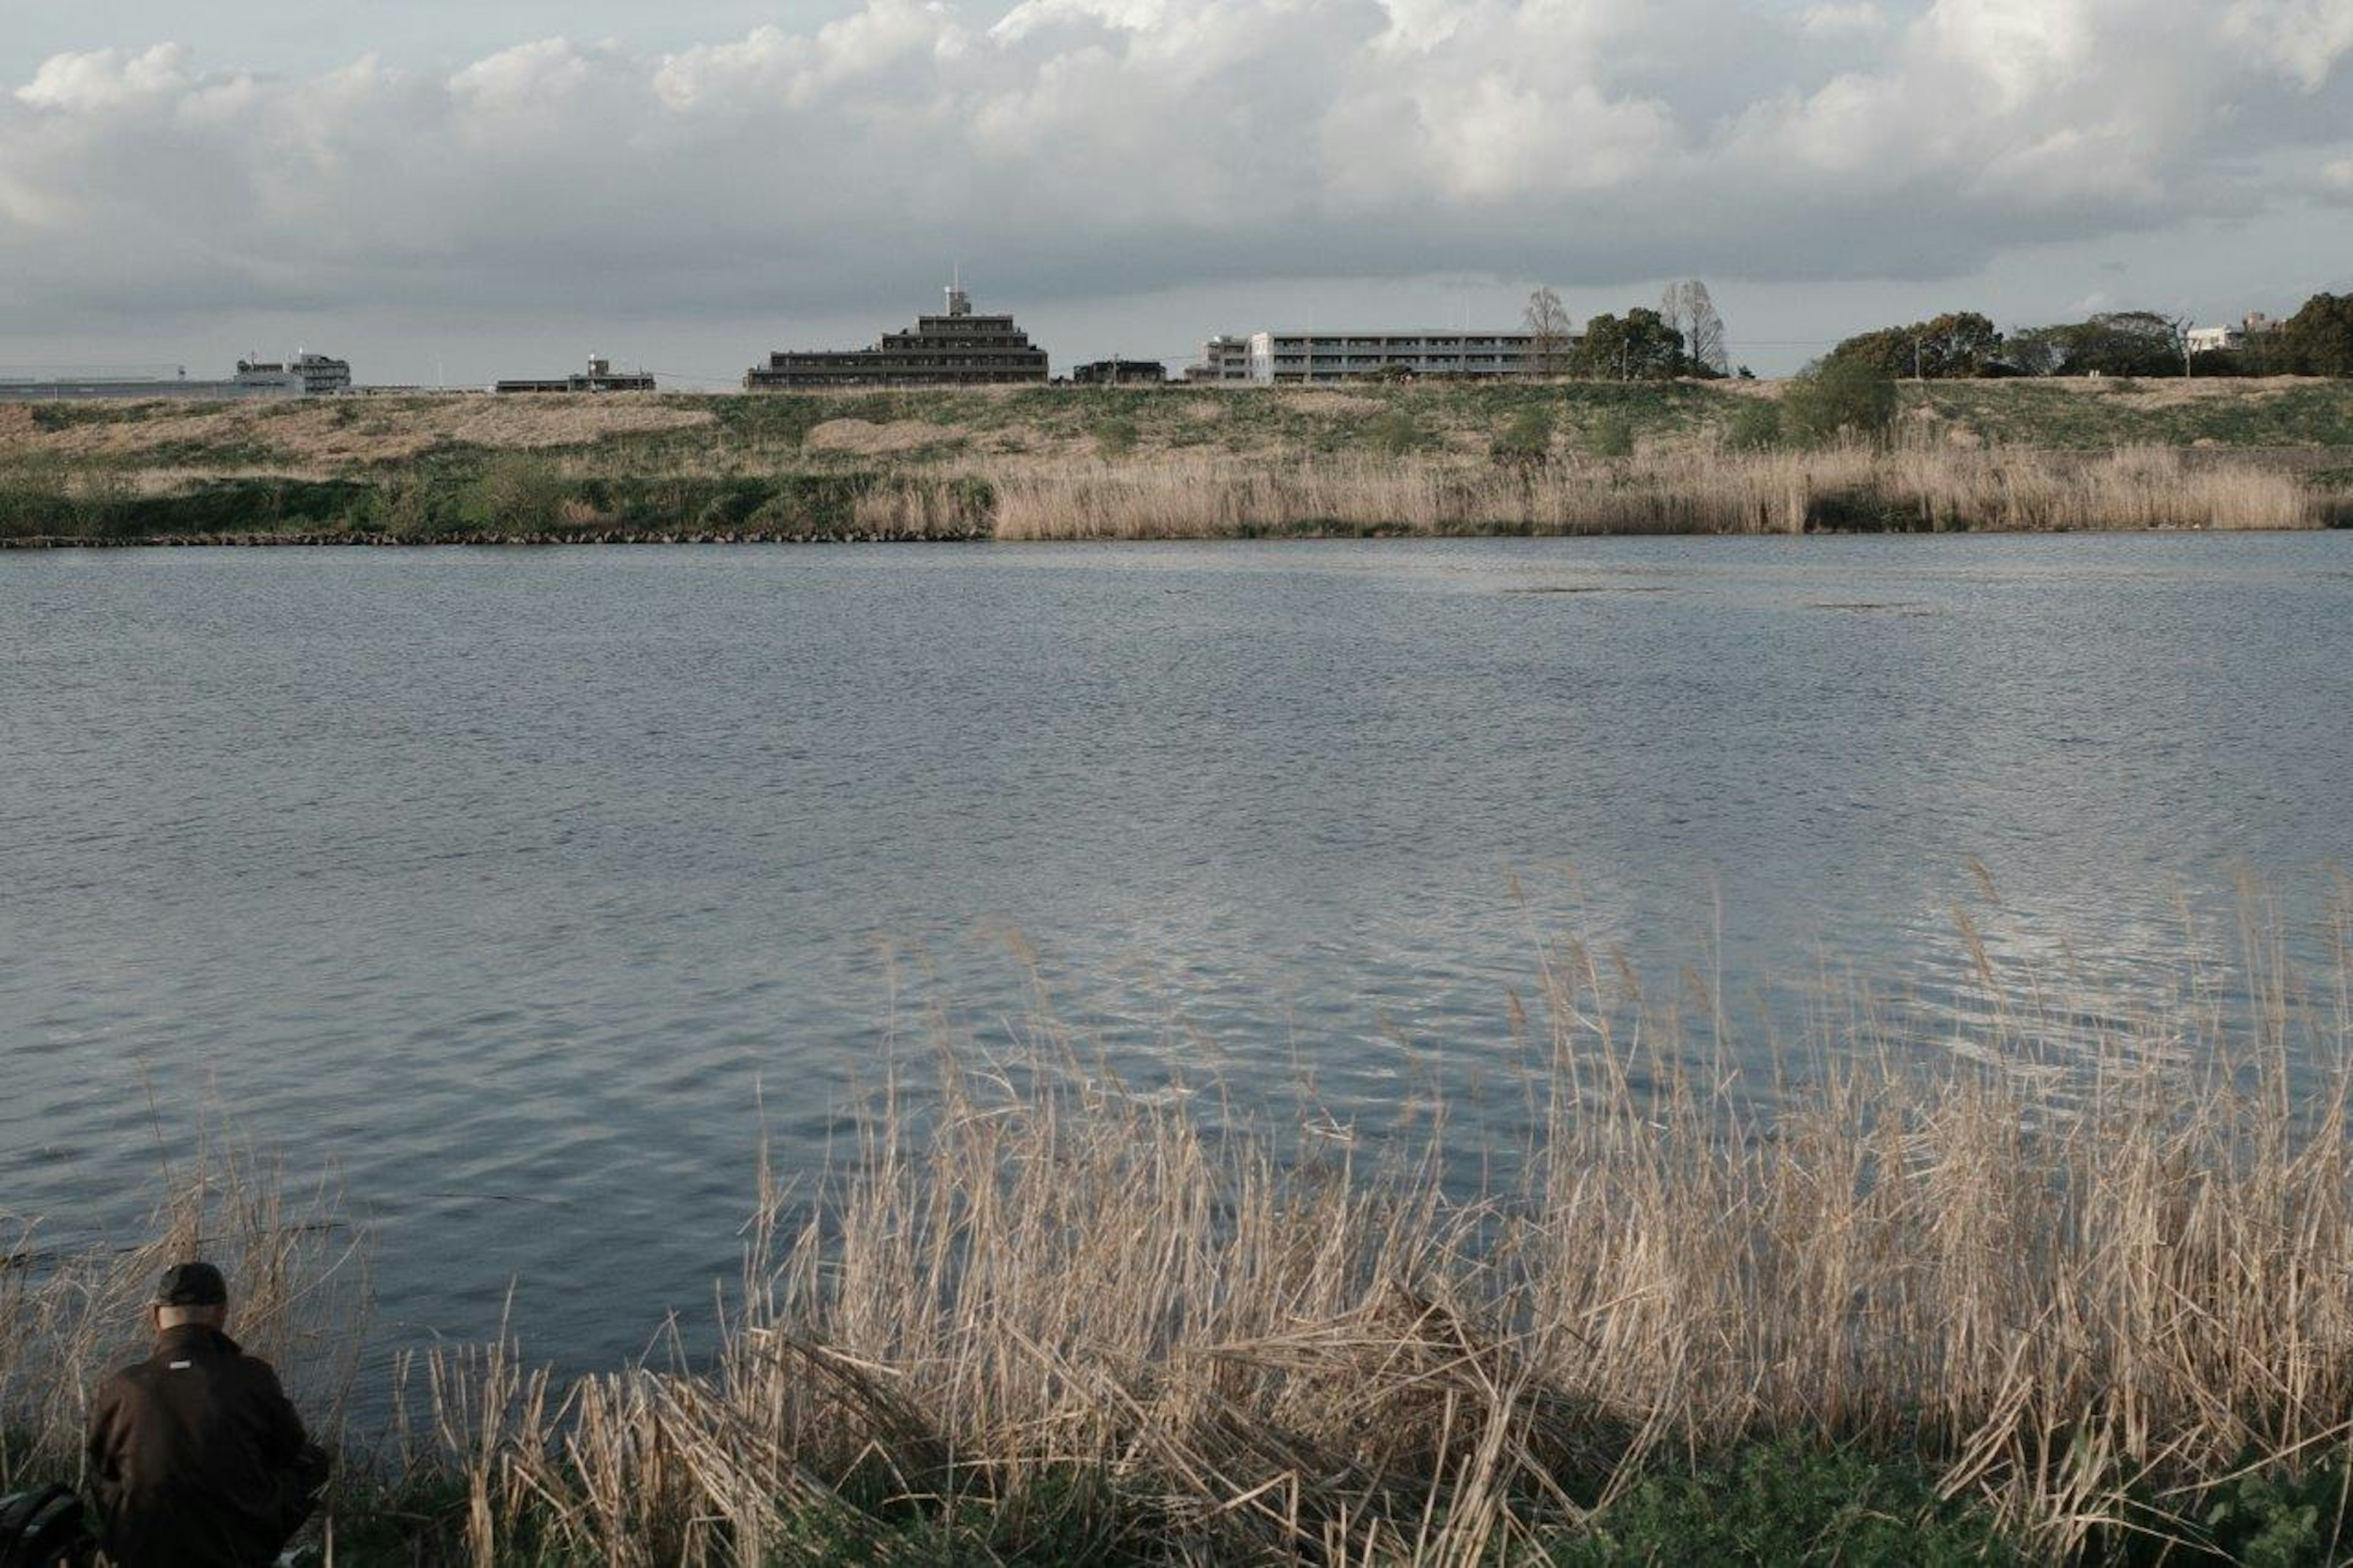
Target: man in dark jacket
195 1455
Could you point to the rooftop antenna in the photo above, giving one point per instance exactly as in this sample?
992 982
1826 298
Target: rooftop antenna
959 303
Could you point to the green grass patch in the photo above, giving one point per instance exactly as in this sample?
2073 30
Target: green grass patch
1788 1502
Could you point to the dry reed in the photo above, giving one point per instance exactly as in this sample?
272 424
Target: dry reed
1917 487
69 1317
2073 1265
2100 1253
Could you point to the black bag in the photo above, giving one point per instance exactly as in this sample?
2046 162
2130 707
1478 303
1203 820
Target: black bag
43 1529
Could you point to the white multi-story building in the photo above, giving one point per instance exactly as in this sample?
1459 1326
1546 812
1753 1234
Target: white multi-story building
1271 357
2230 340
1223 358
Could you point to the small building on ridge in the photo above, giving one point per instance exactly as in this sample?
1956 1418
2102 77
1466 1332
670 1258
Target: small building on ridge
957 349
1120 373
601 377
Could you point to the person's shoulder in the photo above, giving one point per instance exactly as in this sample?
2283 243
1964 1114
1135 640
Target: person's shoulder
252 1368
123 1382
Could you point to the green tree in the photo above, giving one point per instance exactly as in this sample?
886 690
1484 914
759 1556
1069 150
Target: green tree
1840 399
2117 343
2316 340
1639 346
1956 343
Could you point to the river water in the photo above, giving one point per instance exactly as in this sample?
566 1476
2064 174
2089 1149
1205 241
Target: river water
521 887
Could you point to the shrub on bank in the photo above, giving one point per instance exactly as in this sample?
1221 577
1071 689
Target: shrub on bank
1115 437
1840 399
1755 426
1611 435
1526 440
1396 433
33 503
515 493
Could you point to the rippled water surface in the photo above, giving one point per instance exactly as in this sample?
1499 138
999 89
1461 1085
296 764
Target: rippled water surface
519 886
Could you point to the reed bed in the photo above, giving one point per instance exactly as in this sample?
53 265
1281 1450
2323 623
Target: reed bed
1917 487
2073 1271
2085 1268
71 1314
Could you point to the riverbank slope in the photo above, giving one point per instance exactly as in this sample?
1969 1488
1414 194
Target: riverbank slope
1170 462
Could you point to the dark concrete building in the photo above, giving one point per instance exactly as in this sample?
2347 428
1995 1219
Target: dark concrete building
312 375
958 349
1120 373
601 377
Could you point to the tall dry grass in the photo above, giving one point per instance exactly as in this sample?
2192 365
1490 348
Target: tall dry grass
2082 1266
71 1314
2092 1264
1919 486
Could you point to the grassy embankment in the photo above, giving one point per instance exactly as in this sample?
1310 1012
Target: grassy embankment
1105 463
2066 1285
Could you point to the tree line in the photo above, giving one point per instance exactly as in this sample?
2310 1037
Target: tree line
2316 340
1685 337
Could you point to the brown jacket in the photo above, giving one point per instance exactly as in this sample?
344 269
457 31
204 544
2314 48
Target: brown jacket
197 1458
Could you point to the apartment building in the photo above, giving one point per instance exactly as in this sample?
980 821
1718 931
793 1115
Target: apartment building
1224 358
2230 339
956 349
1274 357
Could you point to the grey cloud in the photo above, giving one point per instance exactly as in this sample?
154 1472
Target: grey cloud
1103 147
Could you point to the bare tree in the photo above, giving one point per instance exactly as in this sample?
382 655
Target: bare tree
1549 333
2179 328
1688 309
1706 340
1673 309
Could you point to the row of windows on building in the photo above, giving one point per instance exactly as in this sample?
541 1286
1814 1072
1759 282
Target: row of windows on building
961 349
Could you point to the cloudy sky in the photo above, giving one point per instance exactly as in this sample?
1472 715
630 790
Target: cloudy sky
463 188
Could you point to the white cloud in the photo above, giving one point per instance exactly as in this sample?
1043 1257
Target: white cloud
533 77
2303 39
1094 147
1856 18
103 78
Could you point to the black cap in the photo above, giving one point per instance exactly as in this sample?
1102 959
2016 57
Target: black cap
192 1285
